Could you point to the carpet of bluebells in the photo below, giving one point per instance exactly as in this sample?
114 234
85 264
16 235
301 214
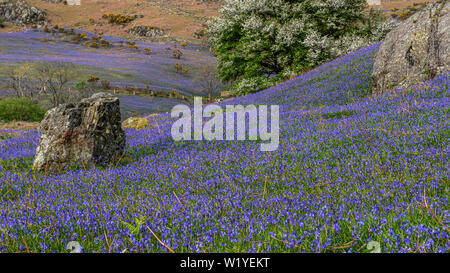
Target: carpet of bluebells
121 66
351 168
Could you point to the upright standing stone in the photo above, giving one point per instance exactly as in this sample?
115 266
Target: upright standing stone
418 49
84 134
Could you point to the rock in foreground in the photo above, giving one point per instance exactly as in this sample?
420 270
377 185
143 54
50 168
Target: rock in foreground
82 134
417 50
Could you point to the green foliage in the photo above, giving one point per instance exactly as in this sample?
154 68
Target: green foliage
118 18
20 109
135 228
93 79
177 54
1 23
82 85
94 44
263 38
250 85
339 114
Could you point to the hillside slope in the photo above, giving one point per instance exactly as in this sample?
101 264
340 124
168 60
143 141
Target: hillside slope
180 19
122 66
350 169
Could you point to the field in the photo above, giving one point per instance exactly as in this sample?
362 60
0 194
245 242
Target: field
180 19
122 66
351 168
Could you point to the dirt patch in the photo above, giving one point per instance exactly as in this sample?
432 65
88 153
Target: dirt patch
19 125
399 4
179 19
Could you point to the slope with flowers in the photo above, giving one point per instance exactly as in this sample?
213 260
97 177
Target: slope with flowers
351 168
123 63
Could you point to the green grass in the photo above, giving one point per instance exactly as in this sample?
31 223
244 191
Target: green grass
339 115
20 109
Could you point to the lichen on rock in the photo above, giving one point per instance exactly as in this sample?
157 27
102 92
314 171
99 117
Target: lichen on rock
82 134
418 49
21 13
136 123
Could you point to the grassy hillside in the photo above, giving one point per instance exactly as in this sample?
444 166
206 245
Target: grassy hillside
145 65
350 169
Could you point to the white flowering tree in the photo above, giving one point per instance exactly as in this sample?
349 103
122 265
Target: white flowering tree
258 39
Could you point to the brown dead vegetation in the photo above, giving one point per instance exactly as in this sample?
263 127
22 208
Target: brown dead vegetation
179 19
19 125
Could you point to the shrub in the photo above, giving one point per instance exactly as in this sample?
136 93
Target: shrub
104 42
93 79
404 15
118 18
250 85
105 84
21 82
253 38
81 85
93 82
54 78
1 23
20 109
79 37
177 54
206 79
97 37
82 88
94 44
135 123
178 67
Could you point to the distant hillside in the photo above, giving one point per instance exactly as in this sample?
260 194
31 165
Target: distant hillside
130 70
179 19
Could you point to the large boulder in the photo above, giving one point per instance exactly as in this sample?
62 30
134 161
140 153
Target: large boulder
68 2
418 49
81 134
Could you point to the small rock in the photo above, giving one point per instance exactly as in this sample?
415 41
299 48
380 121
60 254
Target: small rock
146 31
